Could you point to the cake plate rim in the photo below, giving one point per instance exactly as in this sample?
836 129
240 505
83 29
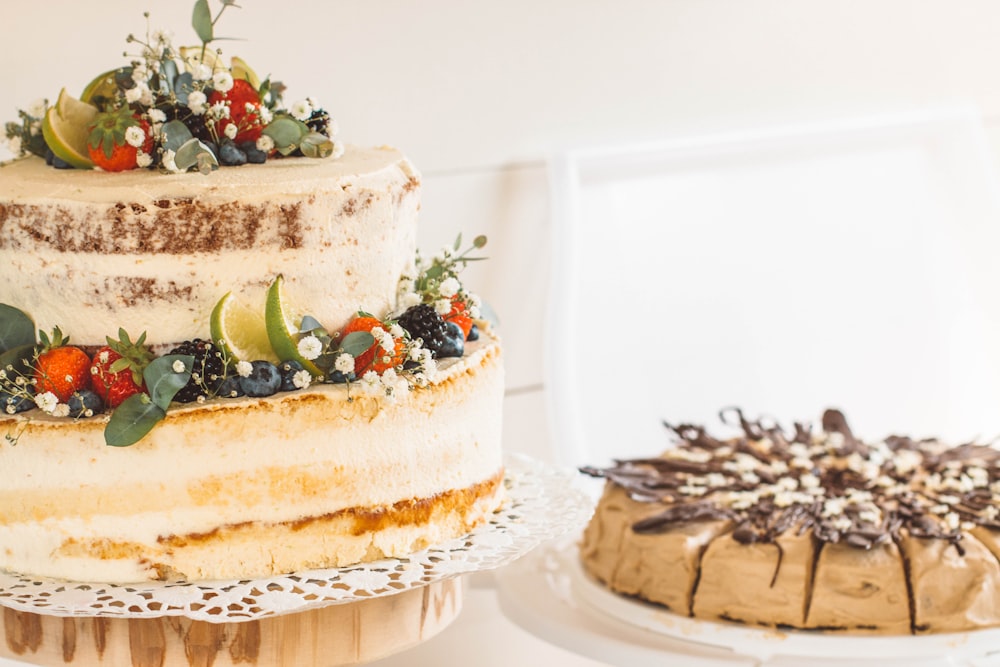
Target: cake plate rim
548 594
541 504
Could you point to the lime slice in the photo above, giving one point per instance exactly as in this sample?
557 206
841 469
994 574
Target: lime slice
239 331
241 70
102 86
66 127
283 326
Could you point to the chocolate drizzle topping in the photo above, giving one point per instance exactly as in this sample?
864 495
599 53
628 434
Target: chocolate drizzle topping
825 481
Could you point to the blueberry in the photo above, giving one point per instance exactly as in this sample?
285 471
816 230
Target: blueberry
231 156
48 156
336 377
85 403
254 154
473 333
230 387
454 342
14 403
264 379
59 163
288 371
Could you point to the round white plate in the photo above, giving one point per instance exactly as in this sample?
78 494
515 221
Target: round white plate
548 594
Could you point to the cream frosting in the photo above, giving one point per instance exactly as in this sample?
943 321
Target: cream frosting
87 250
254 473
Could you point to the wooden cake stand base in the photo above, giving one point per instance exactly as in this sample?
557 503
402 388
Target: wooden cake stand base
343 634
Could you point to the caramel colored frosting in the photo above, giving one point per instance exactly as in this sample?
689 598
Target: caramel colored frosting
810 528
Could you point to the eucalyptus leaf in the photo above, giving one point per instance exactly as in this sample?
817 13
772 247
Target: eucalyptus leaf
175 135
183 85
309 323
195 154
357 343
317 145
201 20
163 382
133 419
16 328
169 69
18 359
286 132
458 242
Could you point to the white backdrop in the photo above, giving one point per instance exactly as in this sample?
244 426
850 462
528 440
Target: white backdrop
481 94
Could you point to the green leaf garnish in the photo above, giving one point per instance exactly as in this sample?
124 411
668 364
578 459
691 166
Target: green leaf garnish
163 381
133 419
195 154
16 328
201 20
357 343
175 135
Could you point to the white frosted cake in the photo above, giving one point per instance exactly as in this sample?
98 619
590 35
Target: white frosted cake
220 354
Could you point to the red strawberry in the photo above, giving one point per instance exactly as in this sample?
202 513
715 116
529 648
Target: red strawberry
244 110
60 368
117 368
374 358
109 146
458 315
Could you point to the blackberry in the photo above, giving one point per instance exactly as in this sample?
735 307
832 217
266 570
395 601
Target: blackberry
319 121
423 322
207 372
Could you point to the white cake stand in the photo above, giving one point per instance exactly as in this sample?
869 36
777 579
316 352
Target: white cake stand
548 594
342 616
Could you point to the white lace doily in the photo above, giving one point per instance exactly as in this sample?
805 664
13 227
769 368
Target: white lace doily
542 503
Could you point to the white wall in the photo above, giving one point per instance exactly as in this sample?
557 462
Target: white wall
479 94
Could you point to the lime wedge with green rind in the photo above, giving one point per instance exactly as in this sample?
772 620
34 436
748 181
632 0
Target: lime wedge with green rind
66 128
102 86
239 331
283 326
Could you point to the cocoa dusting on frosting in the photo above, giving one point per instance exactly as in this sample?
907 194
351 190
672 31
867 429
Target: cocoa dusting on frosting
827 481
173 227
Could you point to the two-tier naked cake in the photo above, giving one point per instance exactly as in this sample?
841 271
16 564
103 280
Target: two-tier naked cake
810 528
226 359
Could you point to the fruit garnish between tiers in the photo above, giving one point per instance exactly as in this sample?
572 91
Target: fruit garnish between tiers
174 109
255 351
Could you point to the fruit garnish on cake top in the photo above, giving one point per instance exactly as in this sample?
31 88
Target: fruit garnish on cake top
174 110
252 350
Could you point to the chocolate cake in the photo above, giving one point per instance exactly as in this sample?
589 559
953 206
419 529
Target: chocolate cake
805 528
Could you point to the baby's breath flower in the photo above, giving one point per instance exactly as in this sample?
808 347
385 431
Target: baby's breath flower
338 150
344 363
46 402
396 331
302 379
449 287
60 410
201 72
134 136
310 347
301 110
265 143
157 116
231 130
442 306
244 369
178 366
196 102
370 383
218 111
265 115
222 81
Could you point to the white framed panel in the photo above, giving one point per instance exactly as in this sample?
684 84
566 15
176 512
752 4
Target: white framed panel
849 264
